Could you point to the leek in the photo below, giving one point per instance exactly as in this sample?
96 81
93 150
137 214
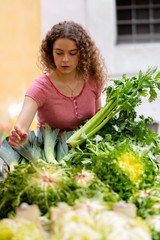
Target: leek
8 155
50 140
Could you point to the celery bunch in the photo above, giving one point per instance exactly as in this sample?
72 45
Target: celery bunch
124 95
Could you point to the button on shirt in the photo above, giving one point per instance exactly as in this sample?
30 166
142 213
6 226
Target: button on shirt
58 110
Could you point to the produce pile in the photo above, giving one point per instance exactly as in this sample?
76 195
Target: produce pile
99 182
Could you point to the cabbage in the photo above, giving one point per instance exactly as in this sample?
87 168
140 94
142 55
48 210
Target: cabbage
147 202
19 229
154 225
92 219
75 222
116 226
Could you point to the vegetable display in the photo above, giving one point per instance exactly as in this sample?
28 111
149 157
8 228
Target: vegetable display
99 182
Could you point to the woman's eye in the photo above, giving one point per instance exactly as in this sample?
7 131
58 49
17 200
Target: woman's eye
59 53
73 54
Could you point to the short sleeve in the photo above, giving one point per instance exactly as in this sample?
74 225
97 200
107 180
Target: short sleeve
99 92
37 91
93 85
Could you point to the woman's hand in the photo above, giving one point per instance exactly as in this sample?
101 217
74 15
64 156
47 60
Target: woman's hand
19 133
17 137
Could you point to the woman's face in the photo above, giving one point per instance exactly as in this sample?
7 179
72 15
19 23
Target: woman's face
66 55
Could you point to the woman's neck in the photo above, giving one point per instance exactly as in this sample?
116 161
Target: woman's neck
69 78
69 85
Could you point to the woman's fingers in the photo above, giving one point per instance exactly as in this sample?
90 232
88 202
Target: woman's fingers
19 132
17 137
13 141
15 134
24 137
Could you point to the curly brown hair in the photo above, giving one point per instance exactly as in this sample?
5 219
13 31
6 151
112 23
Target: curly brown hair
91 62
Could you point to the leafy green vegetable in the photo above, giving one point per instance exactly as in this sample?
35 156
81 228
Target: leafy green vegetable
62 147
32 148
8 155
89 186
147 202
42 184
124 166
123 96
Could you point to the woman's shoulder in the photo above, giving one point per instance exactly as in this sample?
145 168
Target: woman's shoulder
42 80
39 84
92 85
39 89
96 85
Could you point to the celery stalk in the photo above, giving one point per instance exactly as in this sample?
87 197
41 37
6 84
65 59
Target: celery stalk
89 129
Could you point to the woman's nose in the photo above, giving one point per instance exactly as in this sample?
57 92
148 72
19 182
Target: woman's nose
65 57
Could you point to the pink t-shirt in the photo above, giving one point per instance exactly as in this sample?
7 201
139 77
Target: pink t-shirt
58 110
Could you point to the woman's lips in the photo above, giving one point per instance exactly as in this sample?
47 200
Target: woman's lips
65 67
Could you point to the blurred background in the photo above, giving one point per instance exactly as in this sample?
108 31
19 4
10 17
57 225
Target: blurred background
127 33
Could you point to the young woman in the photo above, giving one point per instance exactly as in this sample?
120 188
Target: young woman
69 90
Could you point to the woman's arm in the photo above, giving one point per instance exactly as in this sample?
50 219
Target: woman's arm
98 104
19 133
